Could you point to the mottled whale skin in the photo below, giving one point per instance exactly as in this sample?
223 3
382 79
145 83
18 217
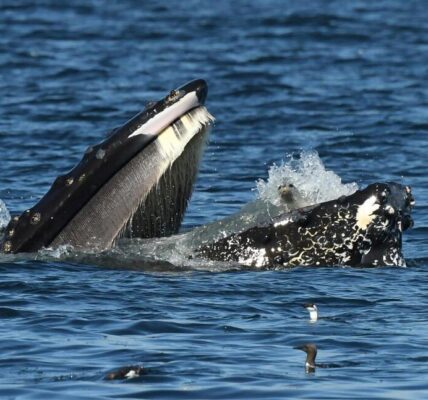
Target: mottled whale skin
362 229
136 182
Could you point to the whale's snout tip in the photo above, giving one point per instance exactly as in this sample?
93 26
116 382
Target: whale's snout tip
201 90
197 86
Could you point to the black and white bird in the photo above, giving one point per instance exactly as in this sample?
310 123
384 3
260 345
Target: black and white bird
130 372
313 311
311 353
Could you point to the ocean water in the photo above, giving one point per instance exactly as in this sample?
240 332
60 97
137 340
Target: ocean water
346 80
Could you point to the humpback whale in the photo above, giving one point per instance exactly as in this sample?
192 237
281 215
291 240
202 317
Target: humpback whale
135 183
362 229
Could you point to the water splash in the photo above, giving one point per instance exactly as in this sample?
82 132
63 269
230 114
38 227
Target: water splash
308 174
4 215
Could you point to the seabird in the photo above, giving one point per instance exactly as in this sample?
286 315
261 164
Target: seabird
311 352
125 373
313 311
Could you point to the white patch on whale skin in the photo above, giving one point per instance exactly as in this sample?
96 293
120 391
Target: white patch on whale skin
160 121
365 212
253 257
283 222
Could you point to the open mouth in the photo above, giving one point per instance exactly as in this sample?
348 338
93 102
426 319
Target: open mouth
95 202
137 183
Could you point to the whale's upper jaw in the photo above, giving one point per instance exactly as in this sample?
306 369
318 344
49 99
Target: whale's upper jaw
40 225
363 229
163 113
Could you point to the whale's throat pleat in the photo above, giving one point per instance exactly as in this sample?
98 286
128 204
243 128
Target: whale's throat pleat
161 212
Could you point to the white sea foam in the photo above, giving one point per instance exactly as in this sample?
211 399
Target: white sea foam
4 215
308 174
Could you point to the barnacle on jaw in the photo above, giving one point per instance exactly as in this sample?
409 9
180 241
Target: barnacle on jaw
174 95
35 218
7 246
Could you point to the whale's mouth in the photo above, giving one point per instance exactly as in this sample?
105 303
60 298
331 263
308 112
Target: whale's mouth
111 192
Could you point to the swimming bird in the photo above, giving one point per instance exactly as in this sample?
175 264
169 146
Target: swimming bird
311 352
130 372
313 311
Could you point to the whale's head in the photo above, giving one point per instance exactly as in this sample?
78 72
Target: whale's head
362 229
136 182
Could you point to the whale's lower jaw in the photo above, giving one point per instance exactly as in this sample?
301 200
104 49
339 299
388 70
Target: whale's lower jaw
363 229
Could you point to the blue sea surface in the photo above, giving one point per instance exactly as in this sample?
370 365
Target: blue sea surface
347 79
